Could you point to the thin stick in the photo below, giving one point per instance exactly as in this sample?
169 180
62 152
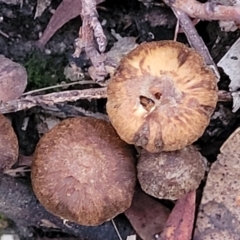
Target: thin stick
58 86
51 99
69 96
4 34
176 31
115 227
194 39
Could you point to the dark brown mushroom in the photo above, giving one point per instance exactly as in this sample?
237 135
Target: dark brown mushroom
8 144
83 172
161 96
13 79
169 175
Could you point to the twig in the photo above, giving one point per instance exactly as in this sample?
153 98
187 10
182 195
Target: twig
57 86
4 34
194 39
69 96
91 30
116 229
67 10
176 30
206 11
51 99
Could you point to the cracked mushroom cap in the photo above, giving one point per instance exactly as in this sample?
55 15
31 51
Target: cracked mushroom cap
161 96
83 172
8 144
169 175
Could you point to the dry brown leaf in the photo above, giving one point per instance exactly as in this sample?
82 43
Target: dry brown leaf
179 225
67 10
219 212
13 79
147 215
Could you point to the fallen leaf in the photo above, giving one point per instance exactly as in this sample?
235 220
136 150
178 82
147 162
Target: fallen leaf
17 172
120 49
179 225
67 10
147 215
45 123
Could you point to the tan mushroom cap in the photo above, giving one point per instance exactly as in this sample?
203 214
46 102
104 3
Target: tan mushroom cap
13 79
161 96
169 175
83 172
8 144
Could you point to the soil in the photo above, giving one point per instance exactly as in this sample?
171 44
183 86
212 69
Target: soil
20 31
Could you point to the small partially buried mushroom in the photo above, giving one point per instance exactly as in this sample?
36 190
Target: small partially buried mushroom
169 175
8 144
161 96
83 172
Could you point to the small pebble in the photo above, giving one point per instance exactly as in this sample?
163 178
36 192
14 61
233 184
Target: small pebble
48 51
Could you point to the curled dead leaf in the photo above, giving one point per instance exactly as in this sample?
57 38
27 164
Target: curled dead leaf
180 222
147 215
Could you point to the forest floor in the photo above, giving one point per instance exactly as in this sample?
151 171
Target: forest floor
48 66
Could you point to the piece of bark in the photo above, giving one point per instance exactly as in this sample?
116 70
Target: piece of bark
18 203
179 225
67 10
206 11
147 215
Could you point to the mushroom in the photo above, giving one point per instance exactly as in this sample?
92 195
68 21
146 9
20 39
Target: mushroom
13 79
8 144
161 96
169 175
83 172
